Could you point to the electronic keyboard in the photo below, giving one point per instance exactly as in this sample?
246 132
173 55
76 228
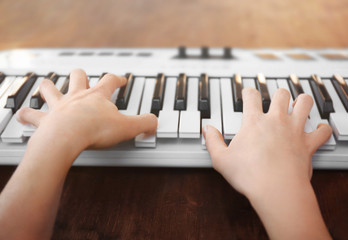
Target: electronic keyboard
186 88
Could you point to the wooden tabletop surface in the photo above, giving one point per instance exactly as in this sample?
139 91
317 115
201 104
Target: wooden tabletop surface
163 203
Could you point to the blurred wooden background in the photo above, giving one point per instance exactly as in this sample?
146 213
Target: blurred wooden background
148 23
157 203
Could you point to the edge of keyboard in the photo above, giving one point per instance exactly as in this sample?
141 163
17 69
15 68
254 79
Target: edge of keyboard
168 153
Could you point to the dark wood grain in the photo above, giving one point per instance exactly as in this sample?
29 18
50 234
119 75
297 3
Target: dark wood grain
158 203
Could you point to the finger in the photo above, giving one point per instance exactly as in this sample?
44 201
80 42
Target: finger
280 101
78 81
251 102
301 110
319 136
145 123
29 116
214 141
49 92
109 83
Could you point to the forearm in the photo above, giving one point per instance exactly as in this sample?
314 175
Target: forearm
289 210
29 202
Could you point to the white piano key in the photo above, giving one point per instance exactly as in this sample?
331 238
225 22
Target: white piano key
93 81
6 113
145 140
190 120
315 119
283 83
168 118
135 97
339 125
249 83
338 119
6 84
232 120
272 87
215 109
13 132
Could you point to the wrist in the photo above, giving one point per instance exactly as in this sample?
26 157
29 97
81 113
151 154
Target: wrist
53 141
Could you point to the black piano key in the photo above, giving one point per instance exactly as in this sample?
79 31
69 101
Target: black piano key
204 101
205 52
124 93
16 98
36 100
262 87
65 87
182 52
181 93
295 86
2 77
341 89
158 95
237 93
103 74
227 53
321 96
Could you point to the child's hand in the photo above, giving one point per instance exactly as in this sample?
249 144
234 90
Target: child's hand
268 146
85 116
270 161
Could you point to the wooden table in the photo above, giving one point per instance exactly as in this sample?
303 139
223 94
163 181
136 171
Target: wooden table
158 203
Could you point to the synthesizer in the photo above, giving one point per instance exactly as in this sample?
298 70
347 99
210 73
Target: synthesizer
186 88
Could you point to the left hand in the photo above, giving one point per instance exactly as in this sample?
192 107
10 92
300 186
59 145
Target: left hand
85 116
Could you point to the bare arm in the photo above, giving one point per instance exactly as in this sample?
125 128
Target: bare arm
84 118
270 162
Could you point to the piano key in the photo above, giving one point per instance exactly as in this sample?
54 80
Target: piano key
315 117
283 83
168 119
237 93
93 81
190 120
339 118
13 132
337 104
36 100
6 83
262 87
215 115
338 121
249 83
204 102
135 97
65 86
232 120
321 96
295 86
16 98
157 100
341 89
145 140
181 93
2 77
6 113
272 87
124 93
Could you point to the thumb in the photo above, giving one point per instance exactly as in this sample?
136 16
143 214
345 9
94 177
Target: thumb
145 123
320 136
213 140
